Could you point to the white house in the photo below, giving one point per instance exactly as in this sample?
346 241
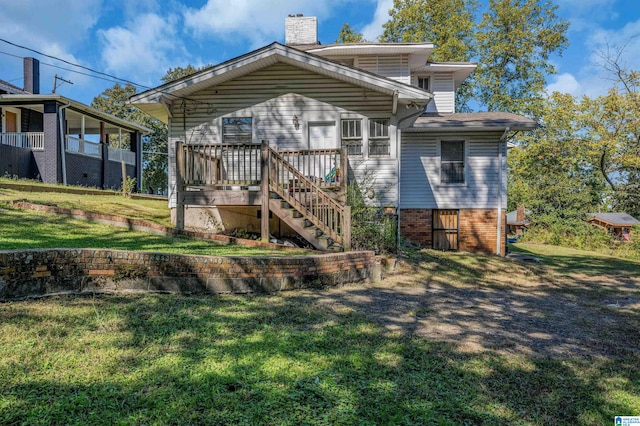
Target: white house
295 122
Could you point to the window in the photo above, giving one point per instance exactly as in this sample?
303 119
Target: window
378 137
423 83
452 162
236 130
352 136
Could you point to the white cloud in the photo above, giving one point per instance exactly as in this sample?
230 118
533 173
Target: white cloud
246 20
565 83
372 30
145 47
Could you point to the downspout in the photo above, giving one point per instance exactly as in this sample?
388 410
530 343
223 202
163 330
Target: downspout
499 239
63 142
399 168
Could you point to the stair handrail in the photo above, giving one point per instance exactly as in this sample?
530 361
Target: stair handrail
340 216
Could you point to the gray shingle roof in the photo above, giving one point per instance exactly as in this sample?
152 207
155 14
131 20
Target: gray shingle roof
474 120
620 219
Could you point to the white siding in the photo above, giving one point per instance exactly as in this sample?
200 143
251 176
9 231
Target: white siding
395 67
420 172
444 96
272 97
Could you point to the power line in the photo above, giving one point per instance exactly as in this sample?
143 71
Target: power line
61 68
115 78
75 65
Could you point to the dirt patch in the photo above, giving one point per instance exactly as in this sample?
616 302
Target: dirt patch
499 305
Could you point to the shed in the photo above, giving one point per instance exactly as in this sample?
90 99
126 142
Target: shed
619 223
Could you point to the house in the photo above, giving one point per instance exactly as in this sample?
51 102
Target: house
619 224
284 128
59 140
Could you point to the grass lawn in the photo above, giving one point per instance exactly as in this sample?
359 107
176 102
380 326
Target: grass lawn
151 210
398 352
568 260
23 229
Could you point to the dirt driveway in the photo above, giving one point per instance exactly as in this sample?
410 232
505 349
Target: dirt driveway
508 306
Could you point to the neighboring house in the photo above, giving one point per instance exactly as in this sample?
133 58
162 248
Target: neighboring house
59 140
385 105
517 221
619 224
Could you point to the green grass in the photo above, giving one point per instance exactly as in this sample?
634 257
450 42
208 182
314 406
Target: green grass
24 229
568 260
292 359
151 210
274 360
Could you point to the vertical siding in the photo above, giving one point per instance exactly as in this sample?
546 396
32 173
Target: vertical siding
272 96
420 174
443 89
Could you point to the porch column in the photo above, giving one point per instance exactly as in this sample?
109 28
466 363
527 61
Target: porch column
179 186
264 189
136 147
104 147
52 171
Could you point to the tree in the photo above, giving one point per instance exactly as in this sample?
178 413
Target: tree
177 73
449 24
115 101
515 40
549 172
512 45
349 35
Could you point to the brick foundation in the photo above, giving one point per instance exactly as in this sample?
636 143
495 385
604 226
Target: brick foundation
27 273
478 229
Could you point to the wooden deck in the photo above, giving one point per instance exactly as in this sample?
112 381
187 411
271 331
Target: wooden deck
311 182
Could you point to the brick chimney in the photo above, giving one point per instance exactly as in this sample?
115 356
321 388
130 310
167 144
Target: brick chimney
31 75
520 214
301 29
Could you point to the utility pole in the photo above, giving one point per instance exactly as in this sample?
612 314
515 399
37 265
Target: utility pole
55 82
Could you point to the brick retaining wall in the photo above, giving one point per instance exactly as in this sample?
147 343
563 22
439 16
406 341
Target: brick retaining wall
28 273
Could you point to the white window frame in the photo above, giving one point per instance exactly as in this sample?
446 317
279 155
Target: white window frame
375 138
345 140
465 161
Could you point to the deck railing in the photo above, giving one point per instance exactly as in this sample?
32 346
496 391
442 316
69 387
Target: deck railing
30 140
83 146
119 155
322 166
221 164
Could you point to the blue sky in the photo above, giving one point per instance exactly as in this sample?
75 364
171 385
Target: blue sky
139 40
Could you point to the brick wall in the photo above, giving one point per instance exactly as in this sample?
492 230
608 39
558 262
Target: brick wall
478 229
415 226
38 272
83 170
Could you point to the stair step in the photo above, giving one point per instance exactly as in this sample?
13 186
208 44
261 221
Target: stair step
308 223
297 214
285 205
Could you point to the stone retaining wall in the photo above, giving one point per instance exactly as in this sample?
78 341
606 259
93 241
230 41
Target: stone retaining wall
28 273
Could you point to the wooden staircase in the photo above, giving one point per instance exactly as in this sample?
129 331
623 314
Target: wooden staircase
308 209
313 206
